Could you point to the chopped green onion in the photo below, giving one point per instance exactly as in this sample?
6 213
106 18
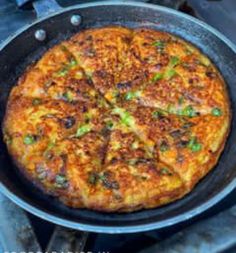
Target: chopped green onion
67 96
159 44
62 72
189 111
73 63
125 116
194 145
216 112
127 119
102 177
82 130
192 141
170 73
174 60
61 181
157 76
131 95
156 114
29 139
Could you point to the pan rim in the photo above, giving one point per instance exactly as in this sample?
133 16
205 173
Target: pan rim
115 229
130 228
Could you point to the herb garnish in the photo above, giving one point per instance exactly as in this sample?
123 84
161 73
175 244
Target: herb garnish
174 60
131 95
194 145
157 77
29 139
82 130
159 44
67 96
170 73
62 72
125 116
189 111
61 181
216 112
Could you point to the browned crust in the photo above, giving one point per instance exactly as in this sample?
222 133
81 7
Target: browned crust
68 67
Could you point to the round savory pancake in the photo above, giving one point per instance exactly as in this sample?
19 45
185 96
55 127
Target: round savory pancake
118 119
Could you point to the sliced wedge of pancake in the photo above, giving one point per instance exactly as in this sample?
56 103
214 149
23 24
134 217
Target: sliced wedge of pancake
132 177
195 92
57 144
57 60
69 169
190 145
100 52
124 145
165 72
73 86
194 155
146 56
30 127
125 187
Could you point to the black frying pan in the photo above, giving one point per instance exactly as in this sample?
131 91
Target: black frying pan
21 49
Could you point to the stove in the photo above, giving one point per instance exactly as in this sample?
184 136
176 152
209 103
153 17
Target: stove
214 231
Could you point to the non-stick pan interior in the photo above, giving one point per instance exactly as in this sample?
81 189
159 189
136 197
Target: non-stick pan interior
23 49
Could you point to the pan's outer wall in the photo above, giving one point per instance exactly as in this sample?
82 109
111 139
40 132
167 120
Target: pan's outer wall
209 191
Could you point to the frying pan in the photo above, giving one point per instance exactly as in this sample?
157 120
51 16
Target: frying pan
50 28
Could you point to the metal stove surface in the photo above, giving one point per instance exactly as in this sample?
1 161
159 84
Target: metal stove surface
214 231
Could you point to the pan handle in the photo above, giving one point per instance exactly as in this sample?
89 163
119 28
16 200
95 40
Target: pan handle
42 7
